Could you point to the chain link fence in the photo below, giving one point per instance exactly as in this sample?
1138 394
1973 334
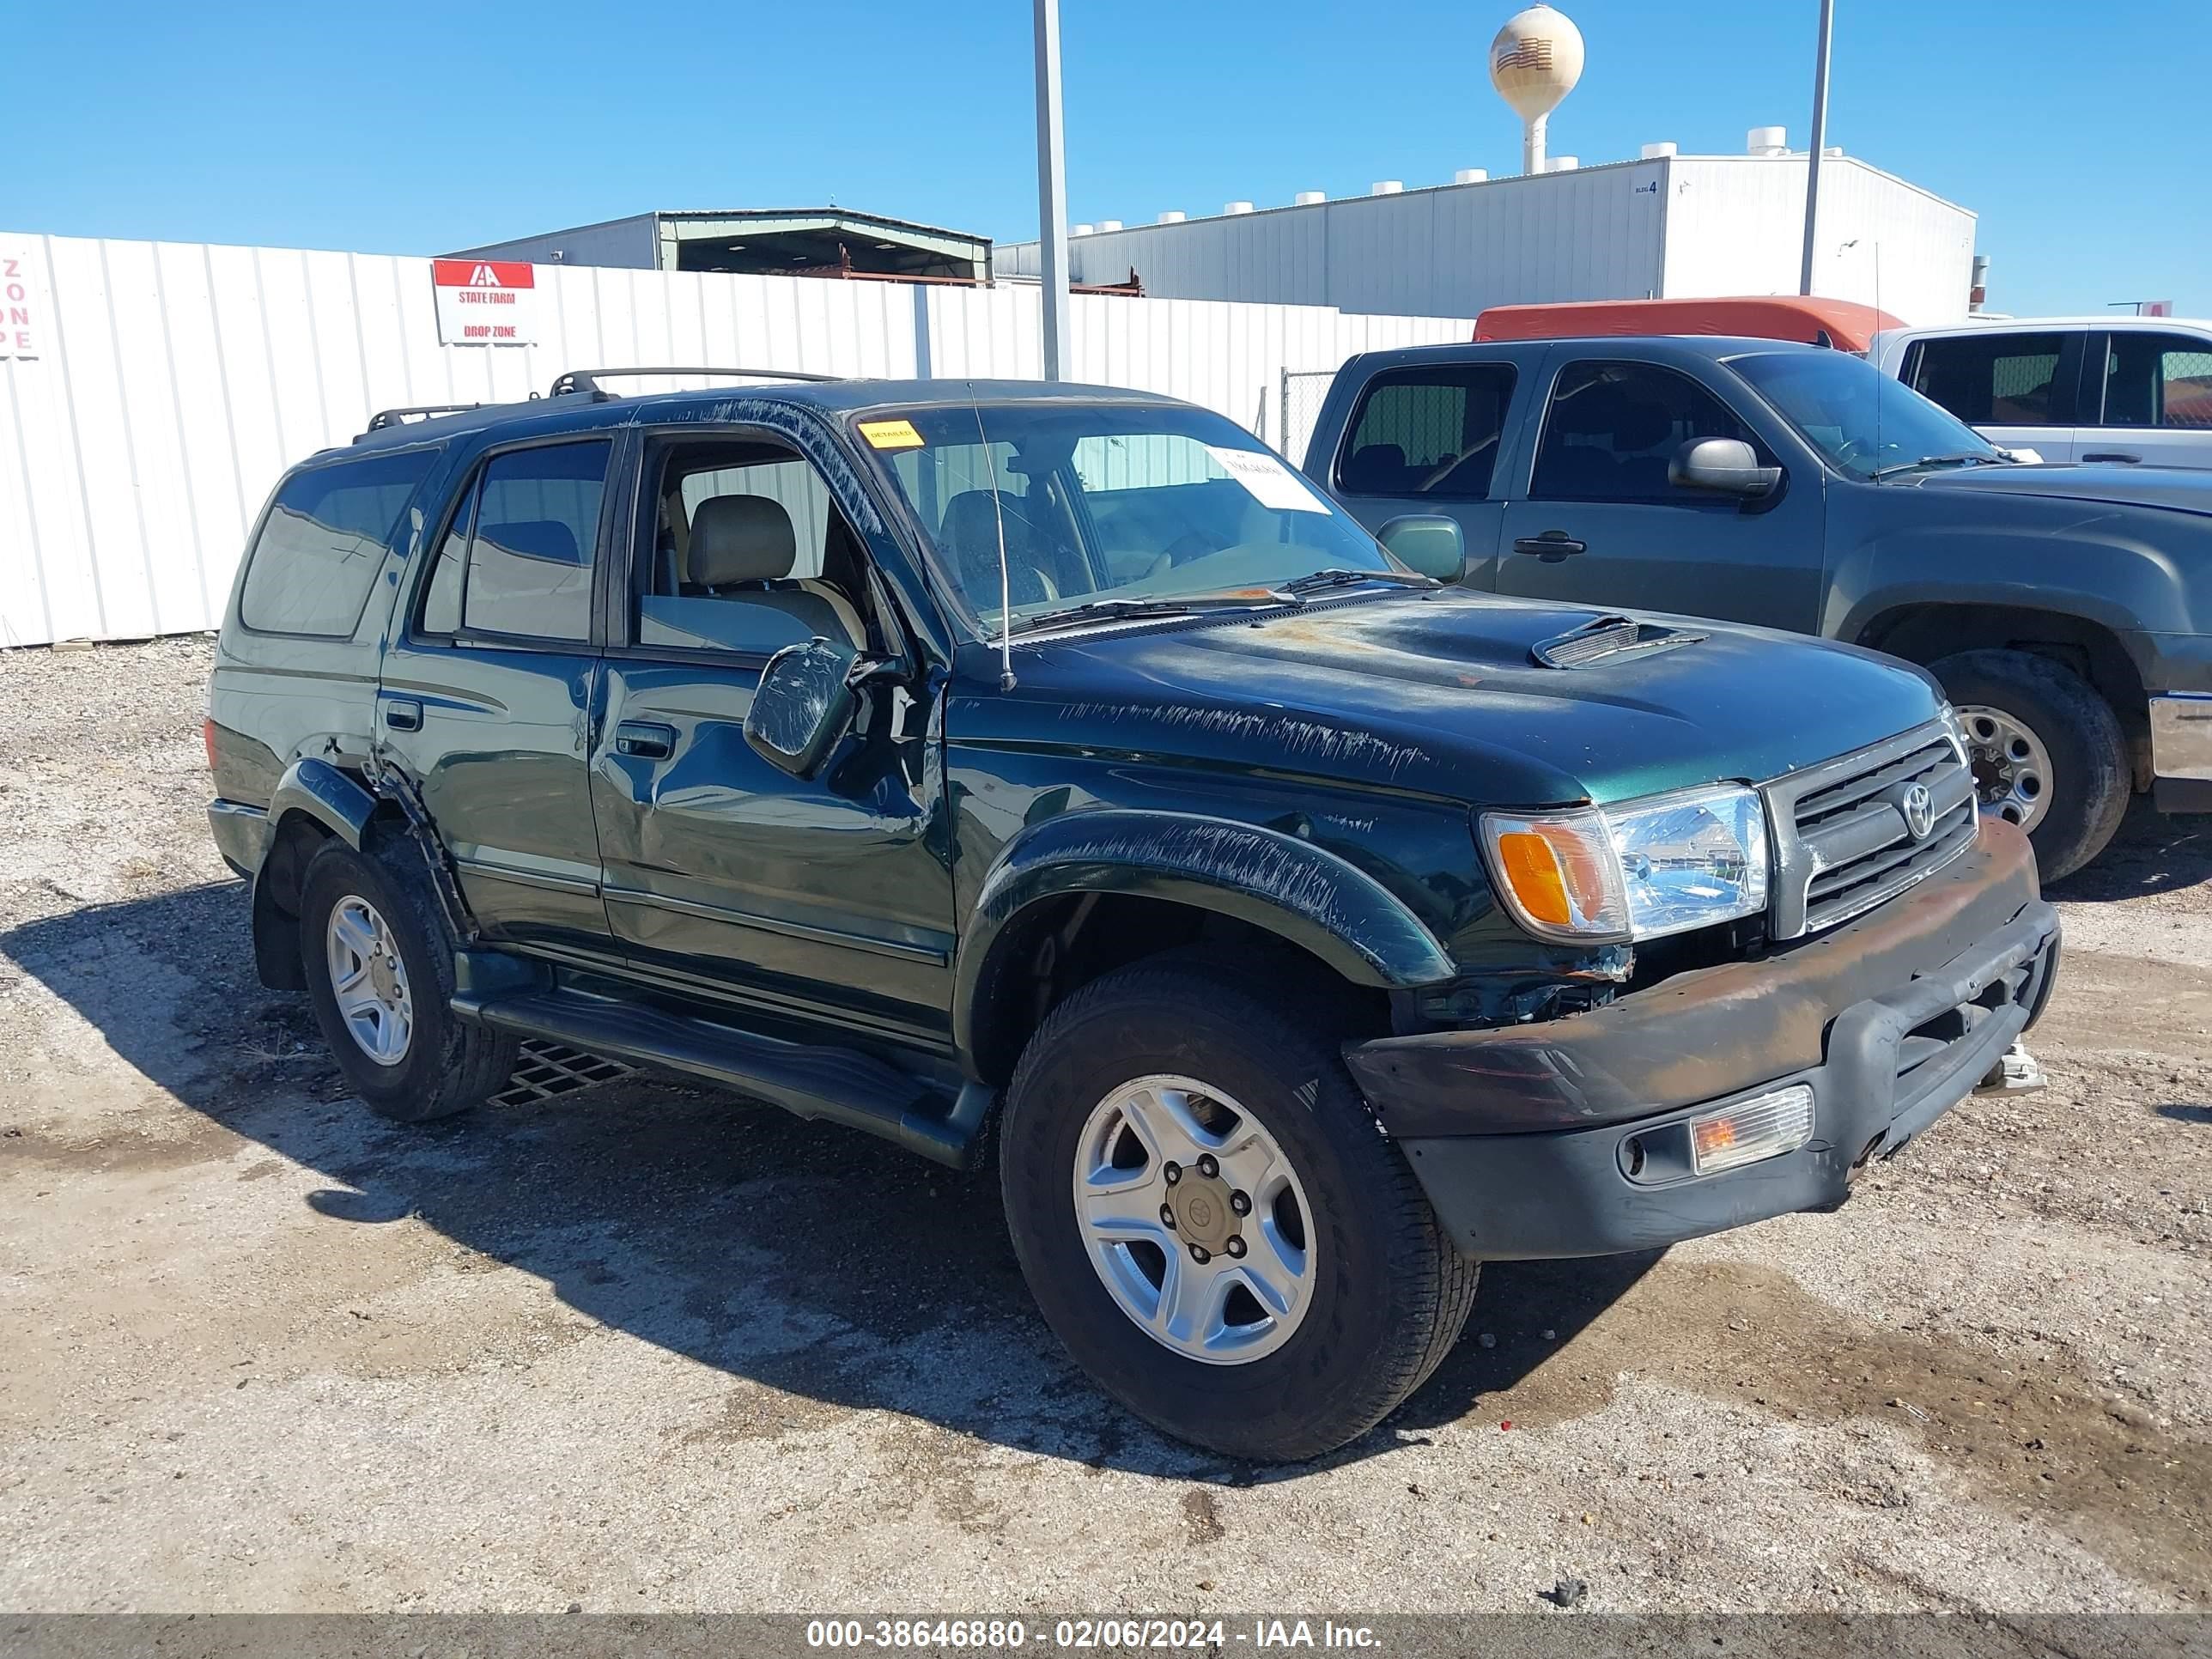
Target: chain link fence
1299 410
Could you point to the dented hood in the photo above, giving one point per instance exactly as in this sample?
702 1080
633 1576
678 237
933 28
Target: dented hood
1437 692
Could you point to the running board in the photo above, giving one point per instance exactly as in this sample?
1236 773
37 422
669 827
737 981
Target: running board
842 1084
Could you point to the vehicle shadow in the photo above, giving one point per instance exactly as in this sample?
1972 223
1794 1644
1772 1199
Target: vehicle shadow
2152 853
827 1266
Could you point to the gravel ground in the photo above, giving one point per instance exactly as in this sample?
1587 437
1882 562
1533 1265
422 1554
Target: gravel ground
647 1348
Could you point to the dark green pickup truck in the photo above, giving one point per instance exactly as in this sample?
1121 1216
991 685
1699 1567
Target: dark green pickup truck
1051 773
2066 610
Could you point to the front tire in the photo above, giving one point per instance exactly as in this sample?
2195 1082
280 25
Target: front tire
2046 750
378 964
1338 1297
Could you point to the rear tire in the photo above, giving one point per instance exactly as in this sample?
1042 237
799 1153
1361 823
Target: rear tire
1385 1293
2085 795
439 1065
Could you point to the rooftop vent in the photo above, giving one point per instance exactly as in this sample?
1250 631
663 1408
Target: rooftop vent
1079 230
1563 164
1173 217
1766 141
1236 207
1105 225
1310 198
1387 188
1664 147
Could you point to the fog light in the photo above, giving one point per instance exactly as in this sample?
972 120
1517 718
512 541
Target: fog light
1766 1126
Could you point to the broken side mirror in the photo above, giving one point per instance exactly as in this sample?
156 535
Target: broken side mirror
804 705
1428 543
1725 466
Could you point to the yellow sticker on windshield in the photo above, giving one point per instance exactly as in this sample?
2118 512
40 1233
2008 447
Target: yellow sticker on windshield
890 435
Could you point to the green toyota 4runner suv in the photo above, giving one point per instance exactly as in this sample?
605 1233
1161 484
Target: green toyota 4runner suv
1053 770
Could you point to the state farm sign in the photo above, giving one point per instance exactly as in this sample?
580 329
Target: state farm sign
485 301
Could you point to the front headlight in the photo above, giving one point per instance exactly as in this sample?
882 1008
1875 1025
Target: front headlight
1639 870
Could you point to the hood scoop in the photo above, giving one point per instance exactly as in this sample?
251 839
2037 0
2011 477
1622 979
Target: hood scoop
1607 639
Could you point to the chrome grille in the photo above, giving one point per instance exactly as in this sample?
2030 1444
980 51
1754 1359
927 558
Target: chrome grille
1841 841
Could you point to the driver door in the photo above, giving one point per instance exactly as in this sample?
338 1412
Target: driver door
826 898
1595 521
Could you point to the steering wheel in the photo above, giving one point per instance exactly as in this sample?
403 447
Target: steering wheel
1188 546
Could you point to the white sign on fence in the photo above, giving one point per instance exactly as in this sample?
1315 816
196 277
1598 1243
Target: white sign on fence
485 301
23 300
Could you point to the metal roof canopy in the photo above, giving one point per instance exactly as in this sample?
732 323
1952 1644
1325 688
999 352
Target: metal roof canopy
791 241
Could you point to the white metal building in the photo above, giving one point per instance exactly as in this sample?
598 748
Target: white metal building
160 388
1666 226
761 242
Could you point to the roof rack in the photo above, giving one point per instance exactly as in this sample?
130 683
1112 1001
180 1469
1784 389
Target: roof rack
384 417
587 380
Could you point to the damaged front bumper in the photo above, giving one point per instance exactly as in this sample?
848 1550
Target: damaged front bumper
1524 1137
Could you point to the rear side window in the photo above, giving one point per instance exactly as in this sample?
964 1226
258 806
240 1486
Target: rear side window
517 557
1993 380
2158 379
1428 432
1613 429
322 542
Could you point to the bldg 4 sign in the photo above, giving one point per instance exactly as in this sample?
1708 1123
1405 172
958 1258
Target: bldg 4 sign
485 301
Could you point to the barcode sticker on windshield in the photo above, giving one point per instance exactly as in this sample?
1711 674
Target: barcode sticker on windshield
1267 480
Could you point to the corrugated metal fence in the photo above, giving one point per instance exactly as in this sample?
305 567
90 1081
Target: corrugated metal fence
177 380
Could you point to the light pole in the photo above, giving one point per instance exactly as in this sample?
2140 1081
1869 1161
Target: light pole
1052 191
1820 140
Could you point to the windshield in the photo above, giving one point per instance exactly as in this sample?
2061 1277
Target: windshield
1863 420
1118 505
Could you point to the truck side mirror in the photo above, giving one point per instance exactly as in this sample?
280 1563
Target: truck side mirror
804 705
1726 466
1428 543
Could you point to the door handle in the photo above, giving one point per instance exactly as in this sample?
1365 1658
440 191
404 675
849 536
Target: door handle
2112 455
1551 547
403 714
646 740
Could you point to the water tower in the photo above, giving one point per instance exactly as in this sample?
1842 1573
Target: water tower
1534 63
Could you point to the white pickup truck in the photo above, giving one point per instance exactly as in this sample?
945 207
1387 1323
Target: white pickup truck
2124 390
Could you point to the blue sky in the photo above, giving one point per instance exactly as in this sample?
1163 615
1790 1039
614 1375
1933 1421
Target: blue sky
408 128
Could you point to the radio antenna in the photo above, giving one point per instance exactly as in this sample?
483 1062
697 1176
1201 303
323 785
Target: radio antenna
1006 578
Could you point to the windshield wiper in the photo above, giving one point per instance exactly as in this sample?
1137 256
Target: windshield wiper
1881 472
1097 609
1337 578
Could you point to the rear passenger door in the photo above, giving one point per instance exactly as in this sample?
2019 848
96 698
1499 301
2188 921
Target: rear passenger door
2148 398
1428 440
491 687
1599 523
827 898
2018 390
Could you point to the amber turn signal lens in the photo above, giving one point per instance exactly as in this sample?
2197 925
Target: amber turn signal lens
1557 873
207 735
1532 869
1713 1136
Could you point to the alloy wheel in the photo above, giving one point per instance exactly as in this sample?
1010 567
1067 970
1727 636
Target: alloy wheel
1194 1220
369 981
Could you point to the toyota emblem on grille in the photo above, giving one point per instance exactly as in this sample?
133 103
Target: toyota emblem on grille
1919 809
